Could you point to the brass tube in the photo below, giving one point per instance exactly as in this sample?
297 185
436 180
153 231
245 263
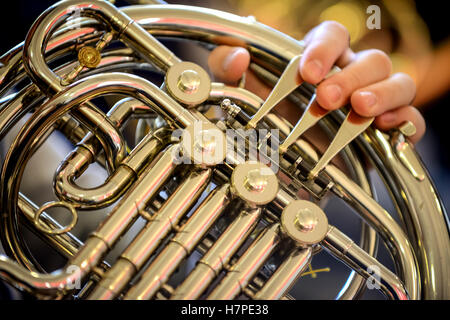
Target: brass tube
184 20
63 41
114 280
107 134
20 103
181 245
147 46
285 276
67 244
166 218
50 83
344 249
15 108
248 265
217 256
425 212
104 12
116 184
71 129
118 114
138 197
100 241
146 242
125 108
59 281
253 37
381 220
42 120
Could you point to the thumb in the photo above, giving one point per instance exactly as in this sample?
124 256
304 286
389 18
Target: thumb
228 64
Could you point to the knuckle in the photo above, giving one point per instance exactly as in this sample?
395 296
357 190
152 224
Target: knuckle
337 28
351 80
406 85
381 59
418 121
406 79
360 108
417 114
334 25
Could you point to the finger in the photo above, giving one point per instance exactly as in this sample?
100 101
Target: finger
346 58
397 90
228 64
239 60
324 45
396 117
369 66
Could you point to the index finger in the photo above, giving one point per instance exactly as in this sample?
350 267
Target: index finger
326 45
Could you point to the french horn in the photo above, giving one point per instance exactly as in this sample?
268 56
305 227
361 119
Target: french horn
215 177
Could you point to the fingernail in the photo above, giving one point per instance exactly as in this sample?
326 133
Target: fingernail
313 70
369 98
229 59
333 93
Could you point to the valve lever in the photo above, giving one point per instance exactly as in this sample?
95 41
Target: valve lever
352 126
313 113
288 82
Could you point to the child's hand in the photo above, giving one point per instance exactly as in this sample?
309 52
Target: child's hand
365 80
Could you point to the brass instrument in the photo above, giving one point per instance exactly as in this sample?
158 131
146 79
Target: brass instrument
244 219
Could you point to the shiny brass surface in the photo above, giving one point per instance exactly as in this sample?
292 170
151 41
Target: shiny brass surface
218 256
255 183
341 246
49 205
203 144
246 267
89 57
312 114
145 243
304 222
288 82
353 126
188 83
181 245
286 275
174 195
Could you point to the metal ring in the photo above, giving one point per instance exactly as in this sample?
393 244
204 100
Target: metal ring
51 205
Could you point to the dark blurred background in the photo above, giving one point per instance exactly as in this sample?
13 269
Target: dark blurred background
413 33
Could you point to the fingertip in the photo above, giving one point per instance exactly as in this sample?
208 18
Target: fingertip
228 63
421 126
387 120
214 60
364 103
395 118
311 71
235 64
329 95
